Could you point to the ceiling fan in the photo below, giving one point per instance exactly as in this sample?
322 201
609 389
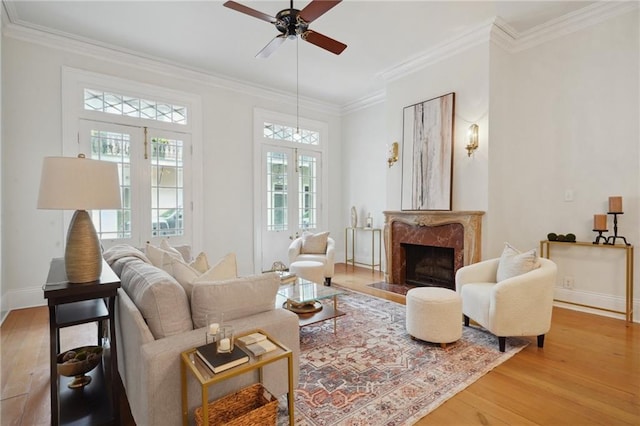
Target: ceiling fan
292 23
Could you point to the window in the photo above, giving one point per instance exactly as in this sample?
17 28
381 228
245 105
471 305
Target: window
148 132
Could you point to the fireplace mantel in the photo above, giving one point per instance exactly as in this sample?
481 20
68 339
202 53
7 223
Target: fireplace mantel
471 222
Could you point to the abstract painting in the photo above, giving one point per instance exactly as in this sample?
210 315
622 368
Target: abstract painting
427 154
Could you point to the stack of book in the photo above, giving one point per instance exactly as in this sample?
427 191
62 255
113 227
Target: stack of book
208 358
257 344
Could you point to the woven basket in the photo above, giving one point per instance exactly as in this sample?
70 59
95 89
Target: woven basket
251 406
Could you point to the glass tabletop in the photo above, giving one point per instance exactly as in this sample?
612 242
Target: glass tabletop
307 291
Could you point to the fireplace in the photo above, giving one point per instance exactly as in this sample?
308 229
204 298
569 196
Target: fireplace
429 266
457 233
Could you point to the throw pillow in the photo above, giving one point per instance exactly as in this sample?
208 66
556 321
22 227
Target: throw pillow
225 269
237 298
184 274
513 262
314 243
201 264
161 258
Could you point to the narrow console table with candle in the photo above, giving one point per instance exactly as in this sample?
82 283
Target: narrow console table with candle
545 251
353 232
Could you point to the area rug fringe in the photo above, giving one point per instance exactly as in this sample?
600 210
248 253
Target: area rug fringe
370 372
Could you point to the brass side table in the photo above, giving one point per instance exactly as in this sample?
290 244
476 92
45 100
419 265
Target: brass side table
353 232
207 378
545 251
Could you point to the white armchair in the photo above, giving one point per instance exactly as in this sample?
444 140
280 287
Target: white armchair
517 306
315 247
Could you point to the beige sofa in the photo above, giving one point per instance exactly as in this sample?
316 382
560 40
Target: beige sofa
154 325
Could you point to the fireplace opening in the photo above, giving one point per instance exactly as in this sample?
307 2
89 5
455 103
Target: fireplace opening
429 266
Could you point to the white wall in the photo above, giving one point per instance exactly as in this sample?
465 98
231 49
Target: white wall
31 83
570 123
364 155
563 115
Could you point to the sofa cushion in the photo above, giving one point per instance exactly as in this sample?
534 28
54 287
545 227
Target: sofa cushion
513 262
238 297
314 243
161 300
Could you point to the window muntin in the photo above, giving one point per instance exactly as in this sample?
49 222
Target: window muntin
287 133
113 103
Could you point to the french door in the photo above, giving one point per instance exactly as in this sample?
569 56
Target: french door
154 172
290 199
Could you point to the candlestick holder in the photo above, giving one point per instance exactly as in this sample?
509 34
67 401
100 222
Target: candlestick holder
612 239
604 239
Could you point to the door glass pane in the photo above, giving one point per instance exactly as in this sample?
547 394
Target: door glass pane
277 200
114 147
167 188
308 192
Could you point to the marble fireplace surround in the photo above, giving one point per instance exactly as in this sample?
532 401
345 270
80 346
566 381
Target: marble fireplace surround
460 230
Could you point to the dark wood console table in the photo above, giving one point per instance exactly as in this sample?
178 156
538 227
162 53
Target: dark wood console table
73 304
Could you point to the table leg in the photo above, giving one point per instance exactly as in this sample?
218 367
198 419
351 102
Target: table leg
205 405
114 359
53 350
335 311
183 385
290 396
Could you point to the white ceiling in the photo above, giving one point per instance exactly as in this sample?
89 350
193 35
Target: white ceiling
205 36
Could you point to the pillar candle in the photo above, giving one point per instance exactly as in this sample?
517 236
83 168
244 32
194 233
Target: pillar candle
599 222
615 204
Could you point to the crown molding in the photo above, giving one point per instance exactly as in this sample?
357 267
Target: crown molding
478 35
583 18
496 31
364 102
129 58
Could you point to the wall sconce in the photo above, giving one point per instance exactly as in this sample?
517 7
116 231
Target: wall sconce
472 135
393 154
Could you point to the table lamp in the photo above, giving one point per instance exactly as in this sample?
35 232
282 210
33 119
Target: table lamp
80 184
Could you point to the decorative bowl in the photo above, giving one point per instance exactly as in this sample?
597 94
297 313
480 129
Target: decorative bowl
77 362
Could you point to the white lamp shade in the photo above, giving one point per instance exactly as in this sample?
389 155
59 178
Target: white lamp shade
69 183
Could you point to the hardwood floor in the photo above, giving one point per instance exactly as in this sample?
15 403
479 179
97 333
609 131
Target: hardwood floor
587 374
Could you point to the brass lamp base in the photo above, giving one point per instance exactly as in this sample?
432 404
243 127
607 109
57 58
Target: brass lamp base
83 255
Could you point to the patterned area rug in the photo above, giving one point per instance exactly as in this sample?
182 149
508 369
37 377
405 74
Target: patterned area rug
372 373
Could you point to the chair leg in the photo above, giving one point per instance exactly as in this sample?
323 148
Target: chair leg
466 321
327 281
541 341
502 343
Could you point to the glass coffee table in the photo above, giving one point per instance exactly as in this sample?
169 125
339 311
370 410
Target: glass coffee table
305 299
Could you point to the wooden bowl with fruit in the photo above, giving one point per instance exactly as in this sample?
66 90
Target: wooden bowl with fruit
77 362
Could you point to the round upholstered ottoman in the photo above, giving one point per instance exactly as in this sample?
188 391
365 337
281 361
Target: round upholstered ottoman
434 314
309 270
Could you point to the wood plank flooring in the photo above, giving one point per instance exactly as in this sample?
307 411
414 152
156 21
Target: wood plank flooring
587 374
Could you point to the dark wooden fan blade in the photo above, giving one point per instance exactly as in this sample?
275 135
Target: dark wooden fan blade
323 41
272 46
249 11
316 9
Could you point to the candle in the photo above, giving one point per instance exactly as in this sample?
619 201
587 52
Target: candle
213 328
225 344
615 204
599 222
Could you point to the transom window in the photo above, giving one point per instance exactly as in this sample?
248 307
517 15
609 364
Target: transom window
113 103
288 133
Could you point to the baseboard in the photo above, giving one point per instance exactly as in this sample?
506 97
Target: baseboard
593 303
23 298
